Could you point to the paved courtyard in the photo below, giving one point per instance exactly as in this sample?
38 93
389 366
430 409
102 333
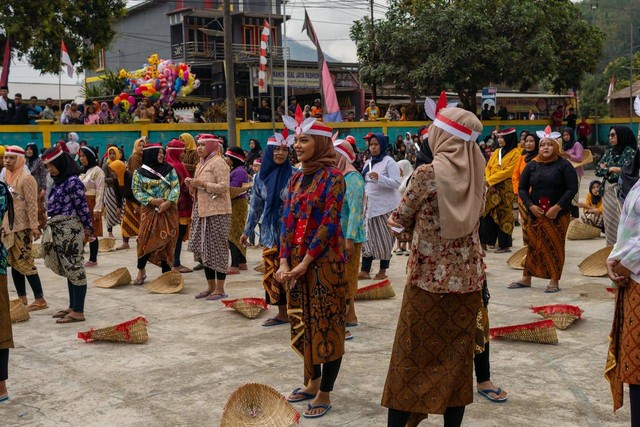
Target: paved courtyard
199 352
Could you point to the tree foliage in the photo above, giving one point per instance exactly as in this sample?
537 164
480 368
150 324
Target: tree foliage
428 45
36 30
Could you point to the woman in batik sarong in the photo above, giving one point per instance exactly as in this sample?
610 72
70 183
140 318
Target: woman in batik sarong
547 186
238 180
39 172
155 185
431 369
312 263
270 187
69 226
113 169
175 150
6 333
530 151
131 216
93 179
497 220
24 191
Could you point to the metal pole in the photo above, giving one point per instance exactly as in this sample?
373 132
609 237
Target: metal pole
374 87
271 56
284 53
229 75
595 86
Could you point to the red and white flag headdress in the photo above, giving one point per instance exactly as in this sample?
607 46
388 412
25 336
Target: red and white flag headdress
281 139
431 108
455 129
299 125
52 156
14 150
547 134
424 134
340 146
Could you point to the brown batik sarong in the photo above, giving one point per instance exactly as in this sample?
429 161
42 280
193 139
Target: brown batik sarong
545 241
6 333
62 248
158 234
275 290
19 253
499 205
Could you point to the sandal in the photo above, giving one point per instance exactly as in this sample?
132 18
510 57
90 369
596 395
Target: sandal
503 250
517 285
297 392
69 319
35 306
203 294
61 314
364 275
310 407
182 269
380 276
139 282
552 289
216 297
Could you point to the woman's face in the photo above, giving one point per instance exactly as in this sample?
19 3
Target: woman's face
613 137
565 136
529 143
399 138
523 135
374 147
280 155
546 148
83 158
595 189
264 103
201 149
140 144
28 152
9 161
90 109
112 155
304 146
53 171
229 162
252 144
160 155
501 141
104 107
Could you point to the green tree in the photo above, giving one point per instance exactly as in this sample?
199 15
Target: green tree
36 30
468 44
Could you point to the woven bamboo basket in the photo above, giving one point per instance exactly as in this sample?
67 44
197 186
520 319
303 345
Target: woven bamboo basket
541 332
170 282
133 331
578 230
106 244
563 315
18 311
238 191
587 157
248 307
258 405
595 264
260 267
119 277
516 261
380 290
35 251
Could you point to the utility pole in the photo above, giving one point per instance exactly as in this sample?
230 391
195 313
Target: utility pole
271 56
374 89
229 78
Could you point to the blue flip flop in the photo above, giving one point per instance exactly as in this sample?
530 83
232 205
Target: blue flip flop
274 322
517 285
485 393
305 396
311 407
352 324
4 398
552 290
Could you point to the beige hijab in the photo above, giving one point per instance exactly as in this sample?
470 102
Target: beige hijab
459 169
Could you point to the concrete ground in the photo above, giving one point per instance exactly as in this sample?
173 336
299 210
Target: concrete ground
199 352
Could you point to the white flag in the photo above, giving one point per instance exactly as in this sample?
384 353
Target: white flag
65 59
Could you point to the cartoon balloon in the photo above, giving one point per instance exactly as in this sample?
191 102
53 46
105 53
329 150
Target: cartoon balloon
116 100
196 84
132 100
125 104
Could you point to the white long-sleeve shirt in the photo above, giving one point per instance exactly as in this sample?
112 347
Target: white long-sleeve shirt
382 194
627 247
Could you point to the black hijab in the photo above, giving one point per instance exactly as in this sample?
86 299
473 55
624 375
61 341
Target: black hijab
626 138
150 159
238 152
530 155
568 145
629 175
34 154
65 165
92 158
594 199
510 142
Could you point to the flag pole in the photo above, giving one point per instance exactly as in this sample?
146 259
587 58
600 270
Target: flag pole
60 82
271 55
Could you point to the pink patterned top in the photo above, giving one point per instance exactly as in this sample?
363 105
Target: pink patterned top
436 264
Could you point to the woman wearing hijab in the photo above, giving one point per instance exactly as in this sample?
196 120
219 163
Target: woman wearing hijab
441 209
593 206
38 170
312 257
547 186
211 223
175 149
131 218
6 333
573 152
156 186
64 119
406 170
382 179
238 180
270 187
191 158
69 225
352 223
93 179
497 219
113 169
17 240
623 148
106 116
529 152
255 152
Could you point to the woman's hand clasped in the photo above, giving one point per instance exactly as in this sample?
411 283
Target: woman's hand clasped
553 212
618 272
536 211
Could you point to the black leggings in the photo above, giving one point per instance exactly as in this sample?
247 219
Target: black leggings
452 417
34 282
634 402
236 255
482 365
211 274
77 295
142 263
93 251
490 232
4 364
368 261
328 372
182 230
281 301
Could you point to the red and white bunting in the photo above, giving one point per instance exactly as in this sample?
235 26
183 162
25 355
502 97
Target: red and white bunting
262 74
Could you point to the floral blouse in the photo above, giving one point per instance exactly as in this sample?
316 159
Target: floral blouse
68 199
613 160
351 217
435 264
144 189
312 217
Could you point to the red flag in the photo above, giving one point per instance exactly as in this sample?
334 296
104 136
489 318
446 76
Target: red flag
6 63
65 59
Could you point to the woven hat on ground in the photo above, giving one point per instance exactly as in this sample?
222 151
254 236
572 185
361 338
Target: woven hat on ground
260 267
563 315
248 307
170 282
119 277
258 405
516 260
380 290
595 265
587 157
18 311
106 244
579 230
35 250
133 331
541 332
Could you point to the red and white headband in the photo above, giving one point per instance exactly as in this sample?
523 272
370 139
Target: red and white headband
424 134
281 139
207 137
340 147
14 150
455 129
310 126
257 162
150 146
236 156
52 156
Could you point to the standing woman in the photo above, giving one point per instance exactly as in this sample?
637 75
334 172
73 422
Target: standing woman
69 226
497 220
312 263
211 223
573 152
113 169
39 171
546 188
530 151
382 179
24 191
155 185
131 217
255 152
431 367
623 147
6 333
191 158
270 187
93 179
175 149
238 180
406 170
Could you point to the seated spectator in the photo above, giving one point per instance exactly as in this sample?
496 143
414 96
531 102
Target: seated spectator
106 116
592 207
74 116
392 113
91 117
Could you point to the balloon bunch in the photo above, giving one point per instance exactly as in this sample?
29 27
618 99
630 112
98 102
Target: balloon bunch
125 100
161 79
